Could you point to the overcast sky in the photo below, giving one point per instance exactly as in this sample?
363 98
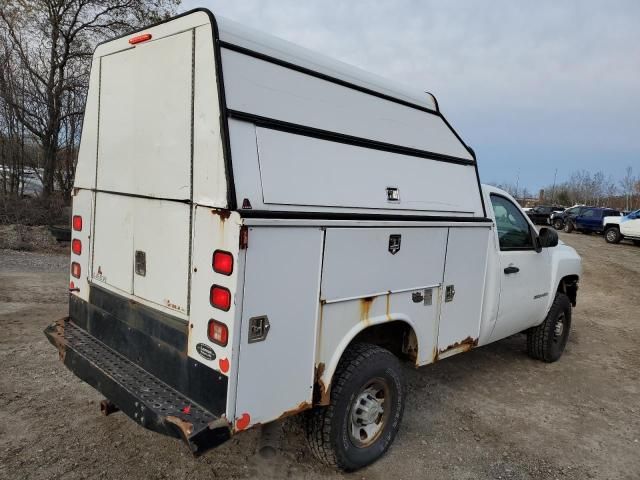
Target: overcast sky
531 86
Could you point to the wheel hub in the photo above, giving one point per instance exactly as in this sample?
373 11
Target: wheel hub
559 328
368 414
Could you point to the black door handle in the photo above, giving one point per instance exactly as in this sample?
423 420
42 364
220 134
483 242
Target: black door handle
509 270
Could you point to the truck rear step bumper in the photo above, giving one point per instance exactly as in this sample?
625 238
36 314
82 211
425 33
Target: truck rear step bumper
140 395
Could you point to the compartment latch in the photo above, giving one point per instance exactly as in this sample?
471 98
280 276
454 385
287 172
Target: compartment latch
258 328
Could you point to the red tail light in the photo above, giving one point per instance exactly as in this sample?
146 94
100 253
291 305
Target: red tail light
220 297
77 223
222 262
218 333
76 246
140 38
75 269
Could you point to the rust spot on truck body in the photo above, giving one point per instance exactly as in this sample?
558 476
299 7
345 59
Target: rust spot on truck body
222 213
55 333
458 347
294 411
185 428
365 309
388 306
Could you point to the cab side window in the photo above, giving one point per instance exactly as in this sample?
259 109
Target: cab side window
513 228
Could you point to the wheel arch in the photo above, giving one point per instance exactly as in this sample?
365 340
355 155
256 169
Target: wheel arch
569 286
397 334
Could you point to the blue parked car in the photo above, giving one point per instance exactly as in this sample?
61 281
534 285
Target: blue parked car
589 220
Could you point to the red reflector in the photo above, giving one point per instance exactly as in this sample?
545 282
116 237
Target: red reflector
222 262
77 223
76 246
140 38
220 297
218 333
75 269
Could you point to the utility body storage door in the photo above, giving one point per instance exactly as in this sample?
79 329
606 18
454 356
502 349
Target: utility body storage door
282 279
143 175
463 289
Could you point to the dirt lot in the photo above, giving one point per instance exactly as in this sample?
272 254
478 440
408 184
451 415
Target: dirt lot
491 413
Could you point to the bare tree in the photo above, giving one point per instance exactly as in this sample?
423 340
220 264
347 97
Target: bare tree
628 183
50 42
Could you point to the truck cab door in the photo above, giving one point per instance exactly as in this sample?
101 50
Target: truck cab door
630 225
524 272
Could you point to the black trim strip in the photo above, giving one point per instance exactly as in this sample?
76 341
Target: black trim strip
286 215
224 116
288 127
322 76
186 201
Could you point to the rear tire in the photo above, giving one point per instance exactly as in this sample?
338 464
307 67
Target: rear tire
569 227
547 341
612 235
558 224
363 418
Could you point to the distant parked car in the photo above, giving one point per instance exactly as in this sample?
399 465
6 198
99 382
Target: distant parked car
589 220
541 213
557 219
617 228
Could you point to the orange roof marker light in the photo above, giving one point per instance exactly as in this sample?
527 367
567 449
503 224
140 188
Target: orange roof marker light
140 38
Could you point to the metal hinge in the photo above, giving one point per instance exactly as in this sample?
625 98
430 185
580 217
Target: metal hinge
449 293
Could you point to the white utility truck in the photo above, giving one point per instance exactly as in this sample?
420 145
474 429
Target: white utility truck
260 231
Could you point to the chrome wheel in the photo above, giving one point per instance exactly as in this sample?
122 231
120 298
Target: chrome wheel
611 236
368 413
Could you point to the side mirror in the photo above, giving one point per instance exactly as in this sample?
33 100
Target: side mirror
548 237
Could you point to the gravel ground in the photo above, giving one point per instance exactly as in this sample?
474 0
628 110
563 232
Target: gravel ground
489 413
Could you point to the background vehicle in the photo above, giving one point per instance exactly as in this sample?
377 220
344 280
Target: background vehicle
557 219
540 214
222 280
617 228
588 220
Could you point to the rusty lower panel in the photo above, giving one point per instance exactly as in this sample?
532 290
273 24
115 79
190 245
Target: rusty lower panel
294 411
140 395
458 347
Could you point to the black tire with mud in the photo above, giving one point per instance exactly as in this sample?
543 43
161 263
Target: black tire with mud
547 341
328 428
558 224
612 235
569 226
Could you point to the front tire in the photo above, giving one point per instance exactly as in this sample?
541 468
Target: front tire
547 341
558 224
612 235
568 227
363 418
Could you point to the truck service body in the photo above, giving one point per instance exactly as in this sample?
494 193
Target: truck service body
249 217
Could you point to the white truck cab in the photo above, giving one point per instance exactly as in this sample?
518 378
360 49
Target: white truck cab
618 228
260 231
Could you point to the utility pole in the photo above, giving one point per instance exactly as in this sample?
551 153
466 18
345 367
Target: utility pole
553 190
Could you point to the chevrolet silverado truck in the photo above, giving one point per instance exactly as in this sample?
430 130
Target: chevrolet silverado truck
260 231
617 228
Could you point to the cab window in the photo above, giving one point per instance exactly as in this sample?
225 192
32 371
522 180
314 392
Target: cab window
513 228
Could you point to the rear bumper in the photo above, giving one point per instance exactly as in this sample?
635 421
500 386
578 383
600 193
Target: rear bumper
146 399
